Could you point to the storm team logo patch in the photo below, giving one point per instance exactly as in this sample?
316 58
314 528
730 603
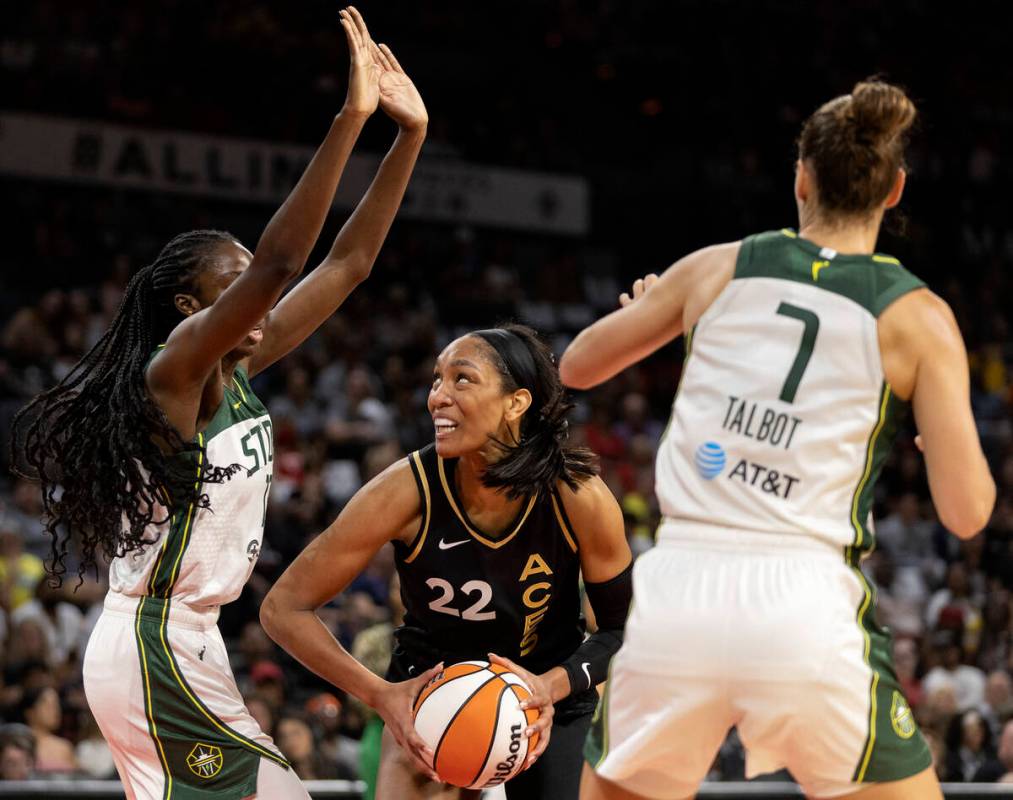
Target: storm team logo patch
901 718
205 760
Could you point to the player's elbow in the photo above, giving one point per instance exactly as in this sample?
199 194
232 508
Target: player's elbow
270 615
572 374
967 518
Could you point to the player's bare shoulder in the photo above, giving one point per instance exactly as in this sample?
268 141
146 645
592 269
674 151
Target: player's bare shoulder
707 272
918 325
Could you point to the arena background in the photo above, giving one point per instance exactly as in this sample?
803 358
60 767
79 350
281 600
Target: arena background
572 147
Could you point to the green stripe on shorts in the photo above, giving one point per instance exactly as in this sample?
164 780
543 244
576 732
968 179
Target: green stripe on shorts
894 747
201 756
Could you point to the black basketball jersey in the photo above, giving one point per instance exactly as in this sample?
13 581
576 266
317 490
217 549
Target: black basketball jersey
467 594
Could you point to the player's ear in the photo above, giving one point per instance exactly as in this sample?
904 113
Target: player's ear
803 181
897 191
187 304
517 403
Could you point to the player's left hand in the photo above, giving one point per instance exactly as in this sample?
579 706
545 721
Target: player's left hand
541 698
399 98
640 286
364 72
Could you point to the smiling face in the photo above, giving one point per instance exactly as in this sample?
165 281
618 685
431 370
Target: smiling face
468 403
227 262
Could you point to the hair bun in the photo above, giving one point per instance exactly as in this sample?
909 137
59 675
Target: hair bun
880 112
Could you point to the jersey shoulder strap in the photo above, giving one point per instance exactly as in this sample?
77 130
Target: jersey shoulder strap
423 466
873 281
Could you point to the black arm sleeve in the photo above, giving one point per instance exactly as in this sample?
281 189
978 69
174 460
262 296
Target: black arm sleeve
610 601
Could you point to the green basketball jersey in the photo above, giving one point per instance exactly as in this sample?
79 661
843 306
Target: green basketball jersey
783 417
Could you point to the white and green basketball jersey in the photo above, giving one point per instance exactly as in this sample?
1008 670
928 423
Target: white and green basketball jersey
204 556
783 416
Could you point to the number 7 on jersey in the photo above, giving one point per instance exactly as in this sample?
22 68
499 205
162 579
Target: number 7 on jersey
805 348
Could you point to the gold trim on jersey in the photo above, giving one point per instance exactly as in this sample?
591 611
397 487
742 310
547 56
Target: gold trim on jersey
567 534
426 512
495 544
186 532
789 233
886 260
869 454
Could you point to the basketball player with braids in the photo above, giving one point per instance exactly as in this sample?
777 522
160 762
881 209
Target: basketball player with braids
154 452
491 525
804 350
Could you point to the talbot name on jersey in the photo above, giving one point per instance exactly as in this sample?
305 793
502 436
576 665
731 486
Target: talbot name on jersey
763 424
763 478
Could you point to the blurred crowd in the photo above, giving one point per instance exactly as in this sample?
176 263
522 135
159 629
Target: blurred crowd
653 133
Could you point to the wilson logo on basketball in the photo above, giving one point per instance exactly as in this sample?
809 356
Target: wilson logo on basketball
470 716
505 768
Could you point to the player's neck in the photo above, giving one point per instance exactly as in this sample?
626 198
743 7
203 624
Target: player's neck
852 238
228 370
475 494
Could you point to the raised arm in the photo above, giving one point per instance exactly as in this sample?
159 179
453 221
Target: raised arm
659 310
202 339
385 509
925 359
356 247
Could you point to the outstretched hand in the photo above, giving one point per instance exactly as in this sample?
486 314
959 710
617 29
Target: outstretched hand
399 98
364 71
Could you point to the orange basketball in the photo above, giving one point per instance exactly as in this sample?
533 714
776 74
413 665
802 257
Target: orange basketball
469 716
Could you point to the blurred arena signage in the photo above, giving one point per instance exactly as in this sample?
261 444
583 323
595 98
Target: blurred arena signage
57 148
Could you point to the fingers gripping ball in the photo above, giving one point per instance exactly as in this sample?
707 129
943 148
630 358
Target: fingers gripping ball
469 715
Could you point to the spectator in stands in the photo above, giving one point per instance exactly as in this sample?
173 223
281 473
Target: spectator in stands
905 533
295 739
1006 752
40 711
905 661
998 699
971 755
17 753
20 572
955 598
92 752
269 682
966 681
59 620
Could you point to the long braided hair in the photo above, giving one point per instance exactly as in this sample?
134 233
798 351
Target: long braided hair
106 456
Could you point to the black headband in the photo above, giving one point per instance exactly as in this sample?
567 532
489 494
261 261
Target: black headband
517 358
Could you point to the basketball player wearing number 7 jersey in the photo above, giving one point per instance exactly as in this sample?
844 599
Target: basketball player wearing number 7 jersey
804 349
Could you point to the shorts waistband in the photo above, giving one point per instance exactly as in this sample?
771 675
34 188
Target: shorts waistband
681 533
199 618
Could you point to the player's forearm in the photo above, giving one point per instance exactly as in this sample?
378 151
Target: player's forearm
293 230
358 243
304 636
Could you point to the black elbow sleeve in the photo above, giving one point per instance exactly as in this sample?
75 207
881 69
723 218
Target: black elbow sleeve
610 602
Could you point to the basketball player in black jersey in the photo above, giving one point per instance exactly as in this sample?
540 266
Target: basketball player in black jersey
492 525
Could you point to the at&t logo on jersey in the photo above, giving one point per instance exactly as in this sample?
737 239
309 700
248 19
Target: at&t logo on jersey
710 460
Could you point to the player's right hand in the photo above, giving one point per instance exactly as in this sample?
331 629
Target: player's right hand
640 285
395 708
364 71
